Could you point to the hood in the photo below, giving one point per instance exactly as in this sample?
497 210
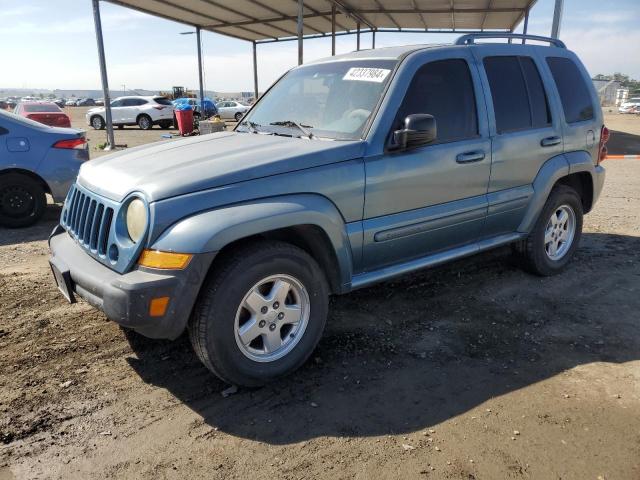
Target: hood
167 169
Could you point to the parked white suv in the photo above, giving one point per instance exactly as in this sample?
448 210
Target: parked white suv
142 111
231 109
630 106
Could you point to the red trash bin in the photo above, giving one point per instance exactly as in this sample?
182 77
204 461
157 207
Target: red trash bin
185 120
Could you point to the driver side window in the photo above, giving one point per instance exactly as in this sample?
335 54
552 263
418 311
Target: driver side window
443 89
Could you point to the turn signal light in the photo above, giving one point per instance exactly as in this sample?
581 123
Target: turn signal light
158 306
164 260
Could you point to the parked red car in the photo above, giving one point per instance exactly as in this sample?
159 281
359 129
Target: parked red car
44 112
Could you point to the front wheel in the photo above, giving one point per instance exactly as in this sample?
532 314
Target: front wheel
145 122
22 201
261 314
97 122
556 235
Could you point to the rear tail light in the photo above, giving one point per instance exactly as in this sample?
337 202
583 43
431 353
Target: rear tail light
602 147
72 143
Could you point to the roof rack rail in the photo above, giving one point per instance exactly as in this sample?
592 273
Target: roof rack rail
471 37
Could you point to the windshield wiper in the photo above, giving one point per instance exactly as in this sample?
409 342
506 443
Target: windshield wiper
291 123
253 126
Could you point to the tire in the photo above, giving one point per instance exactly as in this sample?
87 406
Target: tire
97 122
145 122
537 253
214 327
165 124
22 201
238 116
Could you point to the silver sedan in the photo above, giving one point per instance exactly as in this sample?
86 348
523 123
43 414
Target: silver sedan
231 109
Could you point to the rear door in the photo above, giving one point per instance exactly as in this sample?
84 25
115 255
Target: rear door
525 131
431 198
580 104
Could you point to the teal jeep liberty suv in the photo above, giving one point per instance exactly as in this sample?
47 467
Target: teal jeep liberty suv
348 171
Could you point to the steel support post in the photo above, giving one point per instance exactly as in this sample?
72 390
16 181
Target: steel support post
103 75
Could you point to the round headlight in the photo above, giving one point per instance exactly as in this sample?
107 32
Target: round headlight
136 219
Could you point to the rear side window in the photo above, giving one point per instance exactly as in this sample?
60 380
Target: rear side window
519 99
41 107
574 94
443 89
163 101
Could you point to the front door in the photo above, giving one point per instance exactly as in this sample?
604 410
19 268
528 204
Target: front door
433 197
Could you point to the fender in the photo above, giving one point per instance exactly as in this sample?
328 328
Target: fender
212 230
552 170
581 161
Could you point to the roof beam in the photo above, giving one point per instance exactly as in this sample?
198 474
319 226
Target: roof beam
269 20
279 13
254 19
486 14
453 15
200 14
393 20
441 10
351 12
424 22
325 16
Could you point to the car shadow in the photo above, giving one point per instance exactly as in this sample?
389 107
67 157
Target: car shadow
623 143
39 231
408 354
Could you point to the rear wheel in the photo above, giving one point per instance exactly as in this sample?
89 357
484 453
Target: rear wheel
261 314
22 201
556 235
238 116
97 122
145 122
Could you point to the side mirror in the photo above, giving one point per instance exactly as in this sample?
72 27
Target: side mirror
419 129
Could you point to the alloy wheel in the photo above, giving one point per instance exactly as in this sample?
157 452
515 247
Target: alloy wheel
272 318
560 232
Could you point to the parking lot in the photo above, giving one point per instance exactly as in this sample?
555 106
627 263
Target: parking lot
474 370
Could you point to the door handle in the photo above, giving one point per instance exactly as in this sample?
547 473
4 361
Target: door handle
470 157
550 141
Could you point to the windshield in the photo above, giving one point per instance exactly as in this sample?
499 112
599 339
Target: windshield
330 100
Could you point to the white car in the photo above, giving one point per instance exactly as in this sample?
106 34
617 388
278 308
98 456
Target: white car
231 109
142 111
630 106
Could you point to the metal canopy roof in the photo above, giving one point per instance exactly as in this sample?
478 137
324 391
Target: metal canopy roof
270 20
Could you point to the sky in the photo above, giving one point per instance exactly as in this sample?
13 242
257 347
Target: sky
51 44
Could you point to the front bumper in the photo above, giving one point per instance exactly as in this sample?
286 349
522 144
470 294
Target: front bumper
125 298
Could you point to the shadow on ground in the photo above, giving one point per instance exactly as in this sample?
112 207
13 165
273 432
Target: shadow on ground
40 231
622 143
408 354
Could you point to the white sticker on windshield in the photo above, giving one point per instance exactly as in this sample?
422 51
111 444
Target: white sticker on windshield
364 74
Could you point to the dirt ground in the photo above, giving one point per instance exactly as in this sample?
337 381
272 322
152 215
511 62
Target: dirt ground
475 370
131 136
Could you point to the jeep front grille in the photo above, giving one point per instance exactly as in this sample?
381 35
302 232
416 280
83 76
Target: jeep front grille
88 219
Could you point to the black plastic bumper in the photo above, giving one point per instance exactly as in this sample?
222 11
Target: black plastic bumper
125 298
